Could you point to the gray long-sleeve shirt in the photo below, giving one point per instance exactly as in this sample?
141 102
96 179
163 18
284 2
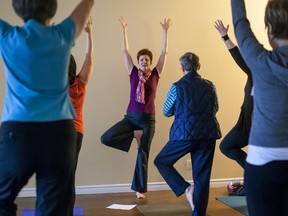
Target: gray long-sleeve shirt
270 77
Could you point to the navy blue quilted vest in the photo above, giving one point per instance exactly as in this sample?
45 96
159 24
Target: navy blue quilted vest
195 109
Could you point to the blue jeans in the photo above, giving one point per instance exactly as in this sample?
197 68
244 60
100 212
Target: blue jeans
120 137
202 154
46 149
266 189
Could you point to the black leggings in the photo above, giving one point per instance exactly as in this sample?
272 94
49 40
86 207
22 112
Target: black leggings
46 149
232 144
266 189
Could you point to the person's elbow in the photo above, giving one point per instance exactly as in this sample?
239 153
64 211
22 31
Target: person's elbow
167 113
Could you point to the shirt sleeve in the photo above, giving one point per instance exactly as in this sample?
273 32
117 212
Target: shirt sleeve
4 27
236 55
168 107
68 29
248 44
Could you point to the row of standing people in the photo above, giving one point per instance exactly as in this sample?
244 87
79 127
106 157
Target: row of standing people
267 151
193 102
191 133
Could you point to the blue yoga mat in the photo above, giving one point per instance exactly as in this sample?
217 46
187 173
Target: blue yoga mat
236 202
76 212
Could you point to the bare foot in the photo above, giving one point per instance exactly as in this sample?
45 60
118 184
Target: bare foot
189 195
140 195
137 136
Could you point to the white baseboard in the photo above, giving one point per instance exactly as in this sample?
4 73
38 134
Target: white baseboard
120 188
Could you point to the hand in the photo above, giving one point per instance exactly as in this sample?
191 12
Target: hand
221 28
166 24
123 23
88 27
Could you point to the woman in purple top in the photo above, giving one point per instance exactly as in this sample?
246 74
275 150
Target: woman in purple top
139 121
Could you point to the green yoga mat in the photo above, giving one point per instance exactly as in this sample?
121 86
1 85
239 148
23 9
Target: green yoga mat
236 202
180 209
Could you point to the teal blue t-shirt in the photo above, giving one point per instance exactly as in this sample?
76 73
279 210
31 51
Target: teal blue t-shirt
36 59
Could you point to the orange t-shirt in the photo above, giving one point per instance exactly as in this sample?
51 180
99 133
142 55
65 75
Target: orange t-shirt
77 92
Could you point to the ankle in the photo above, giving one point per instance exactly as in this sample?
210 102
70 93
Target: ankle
140 195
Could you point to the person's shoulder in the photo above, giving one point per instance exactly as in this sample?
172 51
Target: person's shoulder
4 26
209 84
155 72
67 28
2 22
68 23
207 81
134 70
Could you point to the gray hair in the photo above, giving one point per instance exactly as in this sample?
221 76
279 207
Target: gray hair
190 62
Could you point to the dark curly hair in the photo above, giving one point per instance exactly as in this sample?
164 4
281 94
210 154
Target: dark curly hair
145 52
40 10
72 69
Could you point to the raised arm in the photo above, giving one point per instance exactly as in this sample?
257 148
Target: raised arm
223 31
125 47
164 49
233 49
87 67
81 14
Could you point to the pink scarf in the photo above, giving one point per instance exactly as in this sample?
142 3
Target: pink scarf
140 91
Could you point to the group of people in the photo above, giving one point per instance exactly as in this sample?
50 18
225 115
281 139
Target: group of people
37 131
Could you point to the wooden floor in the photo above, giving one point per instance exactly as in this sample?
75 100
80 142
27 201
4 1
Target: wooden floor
95 205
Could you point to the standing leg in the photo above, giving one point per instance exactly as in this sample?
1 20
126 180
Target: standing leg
202 159
79 138
55 174
139 183
266 188
17 163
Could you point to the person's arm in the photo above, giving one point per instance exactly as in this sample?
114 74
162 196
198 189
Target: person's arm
81 14
216 100
168 107
125 47
164 49
248 44
223 31
236 55
87 67
233 49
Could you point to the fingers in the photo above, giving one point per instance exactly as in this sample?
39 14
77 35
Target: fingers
88 25
218 24
166 23
122 21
